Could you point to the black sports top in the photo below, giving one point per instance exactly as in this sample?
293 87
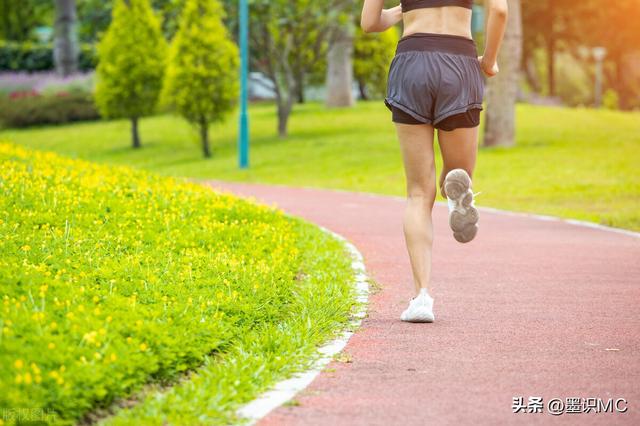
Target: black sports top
421 4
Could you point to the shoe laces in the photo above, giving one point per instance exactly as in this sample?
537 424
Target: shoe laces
475 194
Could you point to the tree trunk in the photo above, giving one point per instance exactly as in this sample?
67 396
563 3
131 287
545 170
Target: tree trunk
135 136
339 67
285 105
551 50
300 86
551 64
531 73
362 87
204 138
503 88
65 51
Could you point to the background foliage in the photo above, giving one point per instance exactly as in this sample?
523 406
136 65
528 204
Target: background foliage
132 62
203 64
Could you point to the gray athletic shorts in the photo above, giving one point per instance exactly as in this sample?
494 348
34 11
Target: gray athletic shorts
435 79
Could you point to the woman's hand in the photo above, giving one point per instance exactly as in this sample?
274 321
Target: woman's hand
490 70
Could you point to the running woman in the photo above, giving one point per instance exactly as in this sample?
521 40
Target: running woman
435 82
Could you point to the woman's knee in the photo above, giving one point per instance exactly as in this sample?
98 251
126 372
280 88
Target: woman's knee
423 196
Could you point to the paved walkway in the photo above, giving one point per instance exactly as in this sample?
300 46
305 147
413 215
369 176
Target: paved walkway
530 308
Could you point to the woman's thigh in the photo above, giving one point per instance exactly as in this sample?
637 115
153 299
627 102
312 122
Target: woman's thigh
416 144
459 148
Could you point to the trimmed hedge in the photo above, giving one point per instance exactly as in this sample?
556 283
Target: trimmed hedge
39 57
30 109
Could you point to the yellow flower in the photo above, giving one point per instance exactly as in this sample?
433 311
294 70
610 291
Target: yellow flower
25 248
18 379
18 364
51 345
27 378
143 347
90 337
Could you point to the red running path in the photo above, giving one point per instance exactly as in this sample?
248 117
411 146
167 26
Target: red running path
530 308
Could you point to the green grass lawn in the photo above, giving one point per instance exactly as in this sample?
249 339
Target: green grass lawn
576 163
113 278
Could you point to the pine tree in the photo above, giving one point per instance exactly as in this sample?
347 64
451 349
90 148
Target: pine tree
131 64
202 75
372 56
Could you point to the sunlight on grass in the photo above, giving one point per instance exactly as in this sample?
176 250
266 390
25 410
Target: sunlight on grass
577 163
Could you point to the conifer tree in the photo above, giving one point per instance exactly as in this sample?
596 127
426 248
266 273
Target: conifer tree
372 56
202 74
131 64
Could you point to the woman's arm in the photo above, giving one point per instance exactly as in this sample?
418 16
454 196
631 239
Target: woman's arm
496 24
375 19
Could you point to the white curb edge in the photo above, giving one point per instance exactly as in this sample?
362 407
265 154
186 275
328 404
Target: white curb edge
284 390
575 222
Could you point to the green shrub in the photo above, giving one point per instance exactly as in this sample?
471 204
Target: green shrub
112 277
610 99
31 109
372 56
132 64
202 74
39 57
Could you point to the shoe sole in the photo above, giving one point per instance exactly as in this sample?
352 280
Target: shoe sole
464 217
423 315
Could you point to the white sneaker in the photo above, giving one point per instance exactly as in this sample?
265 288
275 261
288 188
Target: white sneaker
420 308
463 216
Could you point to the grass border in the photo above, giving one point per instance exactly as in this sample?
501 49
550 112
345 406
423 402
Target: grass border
358 301
283 392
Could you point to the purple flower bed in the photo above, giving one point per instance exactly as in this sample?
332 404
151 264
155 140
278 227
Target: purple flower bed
13 84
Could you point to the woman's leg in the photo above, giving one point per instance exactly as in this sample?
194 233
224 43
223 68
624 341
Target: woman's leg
459 148
416 143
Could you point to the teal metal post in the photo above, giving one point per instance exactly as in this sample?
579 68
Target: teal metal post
243 141
477 19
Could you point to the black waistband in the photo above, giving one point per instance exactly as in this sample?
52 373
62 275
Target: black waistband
408 5
447 43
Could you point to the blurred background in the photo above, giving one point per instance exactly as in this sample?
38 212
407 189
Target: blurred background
560 42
